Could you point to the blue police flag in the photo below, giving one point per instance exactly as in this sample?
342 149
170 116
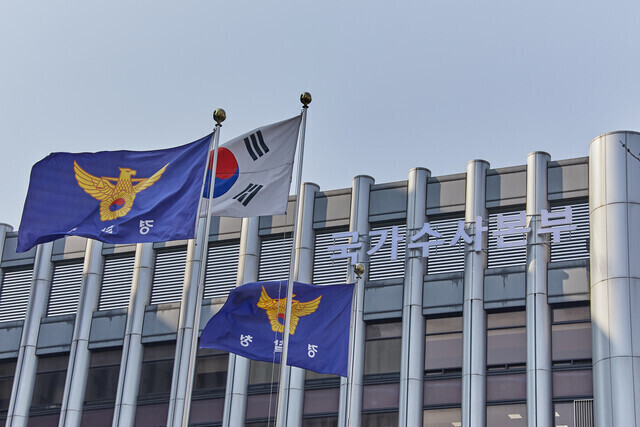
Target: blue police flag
115 196
251 324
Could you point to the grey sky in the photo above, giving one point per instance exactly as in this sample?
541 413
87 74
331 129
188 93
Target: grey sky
394 85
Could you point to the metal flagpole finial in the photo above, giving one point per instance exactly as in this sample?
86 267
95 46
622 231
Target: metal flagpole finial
219 115
305 98
359 270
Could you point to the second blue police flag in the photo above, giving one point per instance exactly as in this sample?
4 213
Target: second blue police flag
251 324
115 196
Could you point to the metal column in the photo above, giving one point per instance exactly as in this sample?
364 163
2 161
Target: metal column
412 364
27 363
80 356
539 382
235 401
351 388
124 414
614 207
474 330
188 325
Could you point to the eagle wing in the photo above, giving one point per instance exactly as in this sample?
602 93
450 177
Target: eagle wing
98 188
150 181
299 309
271 306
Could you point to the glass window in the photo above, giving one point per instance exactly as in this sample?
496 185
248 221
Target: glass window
506 387
507 415
7 371
563 414
573 383
102 379
211 371
571 335
442 391
264 373
320 422
157 370
382 348
49 385
443 344
387 419
451 417
506 340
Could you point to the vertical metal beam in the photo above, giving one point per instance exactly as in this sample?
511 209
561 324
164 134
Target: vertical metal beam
124 414
235 402
614 207
539 385
412 362
27 363
351 388
303 272
80 356
474 329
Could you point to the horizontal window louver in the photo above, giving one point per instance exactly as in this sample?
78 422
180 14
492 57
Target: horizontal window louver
574 244
509 256
381 266
65 289
327 271
168 277
275 256
222 269
116 283
445 258
14 294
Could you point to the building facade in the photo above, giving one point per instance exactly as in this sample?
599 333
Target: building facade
492 297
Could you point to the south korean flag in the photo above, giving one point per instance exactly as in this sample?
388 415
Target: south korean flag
253 171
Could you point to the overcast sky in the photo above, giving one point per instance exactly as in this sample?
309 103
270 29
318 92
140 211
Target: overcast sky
395 85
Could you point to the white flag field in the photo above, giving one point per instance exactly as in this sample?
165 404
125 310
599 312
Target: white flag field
253 171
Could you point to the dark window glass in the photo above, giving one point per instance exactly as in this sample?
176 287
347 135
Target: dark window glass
564 414
204 412
211 371
97 417
264 373
49 385
320 422
7 371
443 344
574 383
156 373
506 387
442 417
442 391
506 340
262 406
571 335
507 415
102 379
321 401
382 348
380 396
387 419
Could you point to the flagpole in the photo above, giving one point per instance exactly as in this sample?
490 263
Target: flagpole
281 416
179 406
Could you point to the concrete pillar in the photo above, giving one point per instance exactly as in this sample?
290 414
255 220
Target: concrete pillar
539 381
124 414
474 329
235 402
351 388
27 363
302 272
188 328
80 356
614 207
413 333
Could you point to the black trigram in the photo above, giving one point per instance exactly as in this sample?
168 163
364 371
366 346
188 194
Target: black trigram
248 193
255 145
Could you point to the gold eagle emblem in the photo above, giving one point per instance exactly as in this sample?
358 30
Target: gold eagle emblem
275 308
116 195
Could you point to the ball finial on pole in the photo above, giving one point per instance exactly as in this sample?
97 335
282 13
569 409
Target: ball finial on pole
359 270
219 115
305 98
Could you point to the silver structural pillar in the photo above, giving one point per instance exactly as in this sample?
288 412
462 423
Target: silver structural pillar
188 325
27 363
474 329
303 272
124 414
80 356
539 382
412 361
235 401
351 388
614 207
